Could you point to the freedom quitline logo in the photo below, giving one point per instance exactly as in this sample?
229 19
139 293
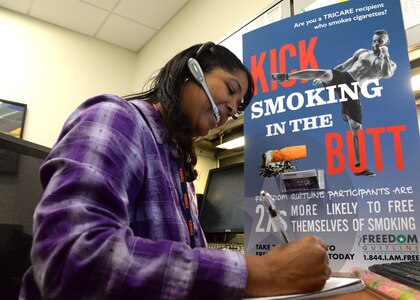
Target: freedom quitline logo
389 247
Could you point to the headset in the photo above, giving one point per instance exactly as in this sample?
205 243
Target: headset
198 75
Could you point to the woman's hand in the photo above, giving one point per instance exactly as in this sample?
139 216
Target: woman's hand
298 267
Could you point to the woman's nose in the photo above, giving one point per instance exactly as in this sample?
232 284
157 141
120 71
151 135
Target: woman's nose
231 108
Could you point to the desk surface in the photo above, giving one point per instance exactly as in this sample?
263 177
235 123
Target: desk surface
362 295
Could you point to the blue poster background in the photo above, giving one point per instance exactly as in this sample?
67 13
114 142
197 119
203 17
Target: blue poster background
363 219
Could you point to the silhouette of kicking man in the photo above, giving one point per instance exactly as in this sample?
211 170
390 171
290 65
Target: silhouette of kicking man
364 65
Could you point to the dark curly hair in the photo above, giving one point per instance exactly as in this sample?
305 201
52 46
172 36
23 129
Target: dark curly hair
166 87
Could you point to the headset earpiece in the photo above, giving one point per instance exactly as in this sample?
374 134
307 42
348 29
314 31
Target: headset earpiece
195 69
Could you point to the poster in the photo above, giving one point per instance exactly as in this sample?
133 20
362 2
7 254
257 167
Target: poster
340 158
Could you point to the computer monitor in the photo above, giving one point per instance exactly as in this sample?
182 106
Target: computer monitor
20 192
222 208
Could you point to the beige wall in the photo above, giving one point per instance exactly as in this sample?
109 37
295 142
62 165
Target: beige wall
52 70
198 21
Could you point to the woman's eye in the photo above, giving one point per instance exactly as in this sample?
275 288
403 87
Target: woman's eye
231 89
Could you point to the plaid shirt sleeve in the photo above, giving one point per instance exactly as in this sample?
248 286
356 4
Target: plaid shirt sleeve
85 246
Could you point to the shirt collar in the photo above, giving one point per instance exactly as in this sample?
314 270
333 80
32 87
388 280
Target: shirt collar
155 122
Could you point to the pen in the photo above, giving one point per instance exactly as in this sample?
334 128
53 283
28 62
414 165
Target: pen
275 217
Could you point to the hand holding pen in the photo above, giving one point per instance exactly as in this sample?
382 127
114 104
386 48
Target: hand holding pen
297 267
275 217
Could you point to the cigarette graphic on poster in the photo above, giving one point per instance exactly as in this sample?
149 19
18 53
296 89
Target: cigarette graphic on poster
332 133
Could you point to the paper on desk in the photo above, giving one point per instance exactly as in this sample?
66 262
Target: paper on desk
333 286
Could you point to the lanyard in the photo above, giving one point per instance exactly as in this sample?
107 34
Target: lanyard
185 199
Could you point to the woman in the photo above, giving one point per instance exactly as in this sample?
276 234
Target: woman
118 218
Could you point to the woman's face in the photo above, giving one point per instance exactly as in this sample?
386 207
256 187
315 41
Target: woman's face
227 90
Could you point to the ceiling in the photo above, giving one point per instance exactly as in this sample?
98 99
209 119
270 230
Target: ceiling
125 23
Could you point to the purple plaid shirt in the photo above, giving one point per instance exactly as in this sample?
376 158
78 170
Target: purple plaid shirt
110 224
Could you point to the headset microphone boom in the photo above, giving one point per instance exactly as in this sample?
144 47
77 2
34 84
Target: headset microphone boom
198 74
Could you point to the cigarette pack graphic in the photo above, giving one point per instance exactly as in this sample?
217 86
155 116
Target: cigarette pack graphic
303 180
